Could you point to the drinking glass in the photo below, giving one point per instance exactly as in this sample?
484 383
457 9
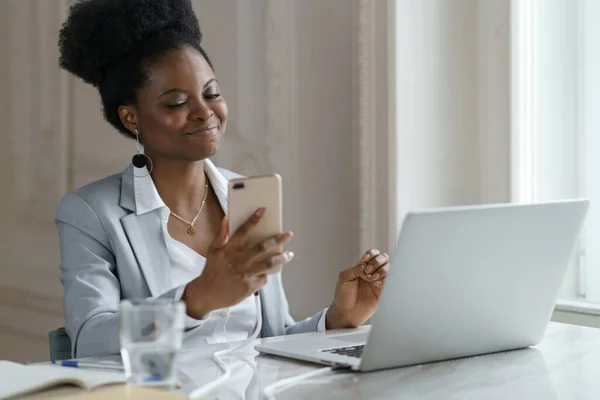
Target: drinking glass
151 334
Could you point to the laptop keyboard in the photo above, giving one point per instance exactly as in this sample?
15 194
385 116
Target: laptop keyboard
350 351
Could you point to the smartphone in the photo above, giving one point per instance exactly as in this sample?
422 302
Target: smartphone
246 195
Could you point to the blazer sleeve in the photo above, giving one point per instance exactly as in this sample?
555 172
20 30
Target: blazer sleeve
92 290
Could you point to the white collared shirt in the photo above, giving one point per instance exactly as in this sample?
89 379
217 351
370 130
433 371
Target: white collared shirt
219 326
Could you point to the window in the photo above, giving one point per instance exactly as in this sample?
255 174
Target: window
488 102
556 121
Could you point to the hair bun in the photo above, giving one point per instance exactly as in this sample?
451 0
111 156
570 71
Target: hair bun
99 32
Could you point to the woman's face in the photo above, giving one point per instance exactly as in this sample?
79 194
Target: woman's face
180 112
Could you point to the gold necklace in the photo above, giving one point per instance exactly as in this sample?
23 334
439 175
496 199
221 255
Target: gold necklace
191 231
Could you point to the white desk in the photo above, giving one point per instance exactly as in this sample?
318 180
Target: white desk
566 365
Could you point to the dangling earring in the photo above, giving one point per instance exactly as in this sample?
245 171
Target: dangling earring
141 160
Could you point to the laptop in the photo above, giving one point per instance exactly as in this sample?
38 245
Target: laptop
463 281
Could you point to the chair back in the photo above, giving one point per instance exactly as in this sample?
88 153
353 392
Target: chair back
60 344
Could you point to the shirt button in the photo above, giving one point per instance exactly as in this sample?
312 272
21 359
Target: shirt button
223 313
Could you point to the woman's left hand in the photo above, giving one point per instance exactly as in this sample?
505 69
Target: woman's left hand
357 291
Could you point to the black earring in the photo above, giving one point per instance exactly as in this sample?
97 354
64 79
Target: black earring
138 160
141 160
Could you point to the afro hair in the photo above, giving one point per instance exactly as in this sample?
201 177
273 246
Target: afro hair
110 43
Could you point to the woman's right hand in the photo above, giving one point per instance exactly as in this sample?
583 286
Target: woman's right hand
234 271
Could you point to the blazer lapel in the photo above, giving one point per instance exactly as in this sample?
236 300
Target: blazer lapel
147 241
145 236
273 316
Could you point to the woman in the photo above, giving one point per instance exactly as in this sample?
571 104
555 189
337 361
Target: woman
158 229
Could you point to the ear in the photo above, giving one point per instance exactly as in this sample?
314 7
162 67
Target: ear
128 117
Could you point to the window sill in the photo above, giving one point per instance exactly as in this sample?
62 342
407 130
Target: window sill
578 307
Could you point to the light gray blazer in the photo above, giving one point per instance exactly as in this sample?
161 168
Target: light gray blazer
109 253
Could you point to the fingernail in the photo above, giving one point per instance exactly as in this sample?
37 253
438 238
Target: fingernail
362 266
260 212
285 235
375 276
290 255
369 269
370 277
378 283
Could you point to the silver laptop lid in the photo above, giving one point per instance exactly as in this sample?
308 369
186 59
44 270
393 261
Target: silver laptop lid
472 280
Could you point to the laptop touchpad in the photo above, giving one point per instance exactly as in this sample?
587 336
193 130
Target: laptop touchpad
354 338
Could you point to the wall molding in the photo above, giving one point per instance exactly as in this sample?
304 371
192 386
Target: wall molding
281 106
280 49
243 143
19 307
23 299
374 123
21 334
40 111
494 100
365 104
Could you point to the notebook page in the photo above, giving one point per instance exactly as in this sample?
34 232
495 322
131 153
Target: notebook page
19 379
127 392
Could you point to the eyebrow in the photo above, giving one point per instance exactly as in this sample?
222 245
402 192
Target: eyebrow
178 90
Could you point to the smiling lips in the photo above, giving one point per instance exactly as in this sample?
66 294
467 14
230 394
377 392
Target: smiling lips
208 130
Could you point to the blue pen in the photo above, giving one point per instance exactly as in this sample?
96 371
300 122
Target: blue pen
78 364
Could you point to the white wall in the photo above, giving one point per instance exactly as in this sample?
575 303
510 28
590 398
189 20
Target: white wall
452 102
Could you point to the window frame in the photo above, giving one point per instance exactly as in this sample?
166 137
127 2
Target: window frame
539 71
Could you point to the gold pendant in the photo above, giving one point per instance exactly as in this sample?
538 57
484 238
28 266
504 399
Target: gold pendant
191 231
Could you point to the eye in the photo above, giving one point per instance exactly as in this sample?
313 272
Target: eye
212 96
177 105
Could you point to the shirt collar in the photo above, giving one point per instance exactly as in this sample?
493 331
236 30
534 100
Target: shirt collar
147 198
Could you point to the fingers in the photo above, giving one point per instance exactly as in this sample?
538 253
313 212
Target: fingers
269 266
378 277
238 239
350 274
269 247
221 240
370 262
376 262
376 267
369 254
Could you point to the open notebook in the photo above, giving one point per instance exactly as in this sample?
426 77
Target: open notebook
18 379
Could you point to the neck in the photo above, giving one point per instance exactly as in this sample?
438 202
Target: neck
180 184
